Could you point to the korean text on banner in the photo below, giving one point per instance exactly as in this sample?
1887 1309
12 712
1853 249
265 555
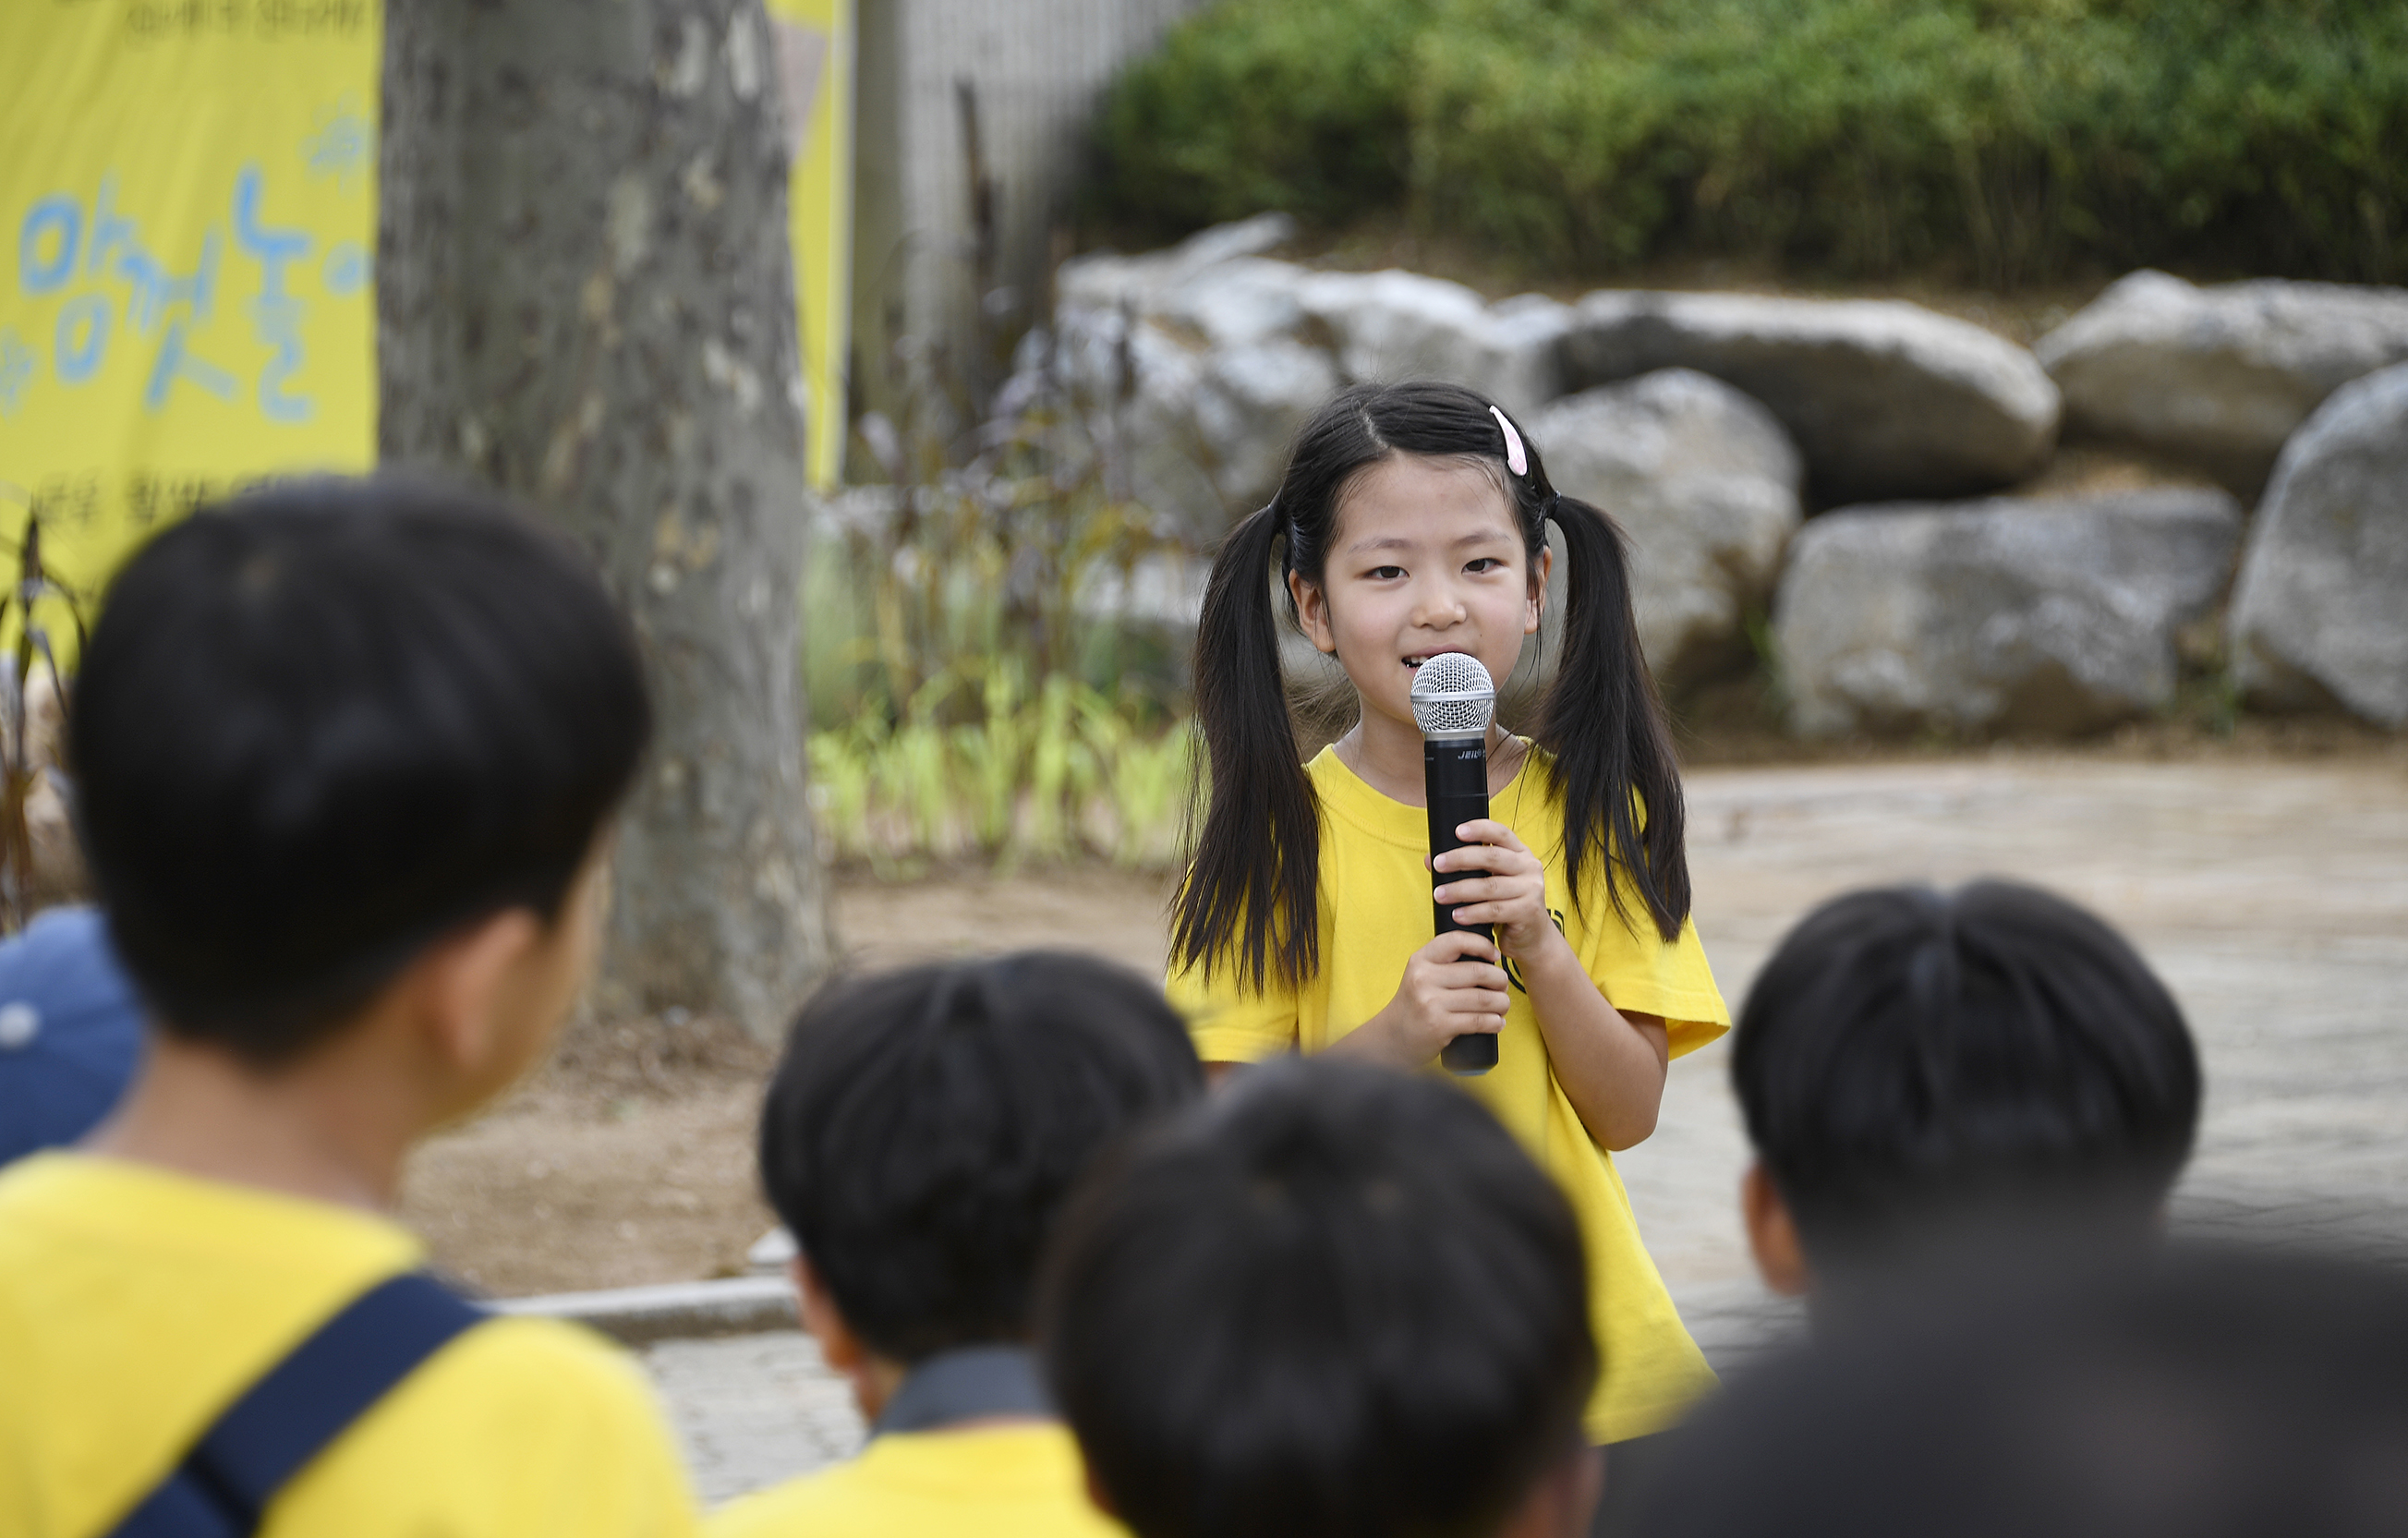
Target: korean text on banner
187 228
187 220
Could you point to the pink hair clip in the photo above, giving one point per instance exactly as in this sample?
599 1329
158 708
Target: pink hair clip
1515 460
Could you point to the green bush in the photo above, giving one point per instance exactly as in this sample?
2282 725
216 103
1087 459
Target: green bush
1263 104
2014 139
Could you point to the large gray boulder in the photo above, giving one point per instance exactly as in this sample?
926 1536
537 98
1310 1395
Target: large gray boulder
1398 325
1887 399
1237 303
1253 402
2218 377
1198 360
1201 431
2053 616
1108 280
1704 481
2320 612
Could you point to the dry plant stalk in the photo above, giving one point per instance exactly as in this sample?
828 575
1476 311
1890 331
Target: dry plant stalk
24 761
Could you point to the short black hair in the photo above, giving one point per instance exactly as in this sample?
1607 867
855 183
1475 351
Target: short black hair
2211 1395
1335 1299
926 1125
320 726
1908 1057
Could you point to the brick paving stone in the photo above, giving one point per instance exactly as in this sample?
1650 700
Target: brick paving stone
754 1409
2273 899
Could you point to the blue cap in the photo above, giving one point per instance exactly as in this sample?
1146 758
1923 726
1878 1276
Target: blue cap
70 1031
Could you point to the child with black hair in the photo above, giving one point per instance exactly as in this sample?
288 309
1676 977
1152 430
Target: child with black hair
1412 521
1336 1300
346 755
1951 1077
920 1134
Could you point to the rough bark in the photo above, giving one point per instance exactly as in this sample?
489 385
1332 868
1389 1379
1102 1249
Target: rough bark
585 297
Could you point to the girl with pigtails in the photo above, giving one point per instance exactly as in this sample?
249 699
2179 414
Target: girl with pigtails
1413 521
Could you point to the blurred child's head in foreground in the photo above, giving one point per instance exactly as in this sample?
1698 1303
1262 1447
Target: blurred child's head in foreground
925 1125
1332 1301
332 725
1919 1069
2203 1396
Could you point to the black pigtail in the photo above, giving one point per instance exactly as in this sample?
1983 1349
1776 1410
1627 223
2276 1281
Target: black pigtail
1604 723
1253 867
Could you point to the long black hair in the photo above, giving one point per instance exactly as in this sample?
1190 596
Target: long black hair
1254 855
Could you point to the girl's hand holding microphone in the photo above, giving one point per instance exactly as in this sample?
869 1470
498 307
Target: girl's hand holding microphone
1455 985
1452 987
1505 887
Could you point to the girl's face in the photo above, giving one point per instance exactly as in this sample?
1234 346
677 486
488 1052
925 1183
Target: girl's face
1424 557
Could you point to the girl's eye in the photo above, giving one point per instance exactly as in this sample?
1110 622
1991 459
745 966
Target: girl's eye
1387 573
1486 563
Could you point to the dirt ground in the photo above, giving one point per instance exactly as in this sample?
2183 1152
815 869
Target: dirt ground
628 1159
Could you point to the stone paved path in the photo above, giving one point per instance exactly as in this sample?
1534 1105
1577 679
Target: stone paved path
2272 897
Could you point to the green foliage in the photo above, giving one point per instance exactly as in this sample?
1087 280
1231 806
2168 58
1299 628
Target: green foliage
1265 104
2018 139
1058 772
979 688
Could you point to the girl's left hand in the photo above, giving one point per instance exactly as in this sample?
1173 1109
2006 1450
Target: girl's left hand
1507 887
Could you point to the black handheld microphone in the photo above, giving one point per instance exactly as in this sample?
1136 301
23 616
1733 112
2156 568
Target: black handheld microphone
1454 702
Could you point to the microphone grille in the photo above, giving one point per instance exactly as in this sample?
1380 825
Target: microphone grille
1454 696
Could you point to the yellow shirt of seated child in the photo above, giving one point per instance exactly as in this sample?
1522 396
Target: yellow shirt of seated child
136 1303
1022 1479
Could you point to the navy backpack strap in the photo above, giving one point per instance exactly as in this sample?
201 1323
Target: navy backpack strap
304 1401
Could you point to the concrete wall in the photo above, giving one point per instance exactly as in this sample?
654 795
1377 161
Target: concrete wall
1036 68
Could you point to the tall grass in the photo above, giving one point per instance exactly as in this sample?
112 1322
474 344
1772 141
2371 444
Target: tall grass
1060 771
981 686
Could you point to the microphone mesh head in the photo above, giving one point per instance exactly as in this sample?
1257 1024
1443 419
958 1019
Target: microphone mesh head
1453 696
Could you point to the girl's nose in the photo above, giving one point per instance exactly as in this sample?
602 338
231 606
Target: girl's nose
1439 611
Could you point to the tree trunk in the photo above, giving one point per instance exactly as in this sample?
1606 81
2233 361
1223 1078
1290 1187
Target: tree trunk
585 297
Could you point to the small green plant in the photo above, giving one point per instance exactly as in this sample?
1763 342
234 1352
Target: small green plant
1058 772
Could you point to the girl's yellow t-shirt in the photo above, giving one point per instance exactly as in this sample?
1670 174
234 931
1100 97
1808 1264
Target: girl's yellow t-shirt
1375 914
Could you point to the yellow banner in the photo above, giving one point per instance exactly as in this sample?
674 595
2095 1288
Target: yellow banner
187 218
187 231
815 41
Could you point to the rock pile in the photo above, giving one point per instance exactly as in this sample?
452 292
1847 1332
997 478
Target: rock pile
1709 424
1220 353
